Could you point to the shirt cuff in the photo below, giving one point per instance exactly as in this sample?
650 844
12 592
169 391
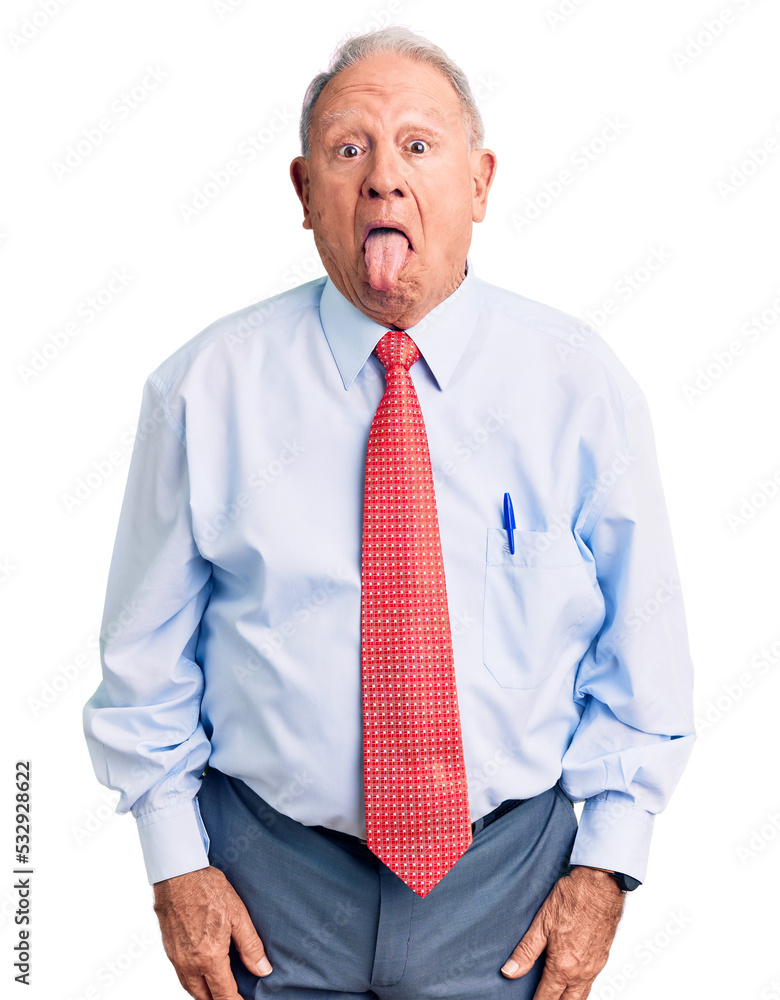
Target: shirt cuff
173 840
614 834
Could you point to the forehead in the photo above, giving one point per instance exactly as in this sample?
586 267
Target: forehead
388 87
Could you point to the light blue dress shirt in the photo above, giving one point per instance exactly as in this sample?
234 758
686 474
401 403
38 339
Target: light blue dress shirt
231 631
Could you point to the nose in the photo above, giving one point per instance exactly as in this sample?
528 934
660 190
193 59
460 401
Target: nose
385 174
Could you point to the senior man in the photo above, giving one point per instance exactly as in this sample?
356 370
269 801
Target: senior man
400 578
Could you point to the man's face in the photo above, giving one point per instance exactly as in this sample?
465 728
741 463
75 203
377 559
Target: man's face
389 152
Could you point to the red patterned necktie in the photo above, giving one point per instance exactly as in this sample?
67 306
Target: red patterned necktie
417 810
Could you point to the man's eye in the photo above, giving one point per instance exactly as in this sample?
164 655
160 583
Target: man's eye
418 146
349 151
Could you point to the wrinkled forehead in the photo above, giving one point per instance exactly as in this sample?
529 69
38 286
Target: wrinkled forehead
414 113
388 91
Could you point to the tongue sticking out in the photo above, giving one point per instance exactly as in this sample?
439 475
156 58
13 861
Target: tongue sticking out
385 252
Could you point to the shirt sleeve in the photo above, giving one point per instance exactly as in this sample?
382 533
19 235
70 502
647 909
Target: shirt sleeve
635 681
143 725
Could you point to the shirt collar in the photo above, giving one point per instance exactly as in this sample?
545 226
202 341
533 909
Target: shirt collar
441 336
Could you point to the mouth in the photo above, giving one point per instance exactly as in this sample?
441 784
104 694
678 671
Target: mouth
386 250
386 226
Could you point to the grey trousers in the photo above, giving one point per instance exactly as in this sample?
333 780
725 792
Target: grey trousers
337 923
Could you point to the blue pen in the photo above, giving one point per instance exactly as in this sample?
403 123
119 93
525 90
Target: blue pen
509 521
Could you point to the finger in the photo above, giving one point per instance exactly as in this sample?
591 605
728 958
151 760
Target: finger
551 987
530 947
220 982
577 992
249 945
195 987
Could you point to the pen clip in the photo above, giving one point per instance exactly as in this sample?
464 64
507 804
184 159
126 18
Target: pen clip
509 522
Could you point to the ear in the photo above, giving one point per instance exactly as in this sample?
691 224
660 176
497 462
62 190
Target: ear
483 170
299 174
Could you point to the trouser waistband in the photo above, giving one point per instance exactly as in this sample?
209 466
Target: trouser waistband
476 826
504 807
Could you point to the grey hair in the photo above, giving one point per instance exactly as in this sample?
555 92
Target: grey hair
402 42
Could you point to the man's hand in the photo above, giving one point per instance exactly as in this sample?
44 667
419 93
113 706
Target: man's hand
576 924
199 913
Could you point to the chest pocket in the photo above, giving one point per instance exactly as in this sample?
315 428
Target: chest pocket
536 602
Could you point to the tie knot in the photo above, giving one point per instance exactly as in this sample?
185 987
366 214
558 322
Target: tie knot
397 348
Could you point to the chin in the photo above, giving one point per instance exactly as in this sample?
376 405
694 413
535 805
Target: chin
393 301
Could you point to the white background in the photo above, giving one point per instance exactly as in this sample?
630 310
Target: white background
705 923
